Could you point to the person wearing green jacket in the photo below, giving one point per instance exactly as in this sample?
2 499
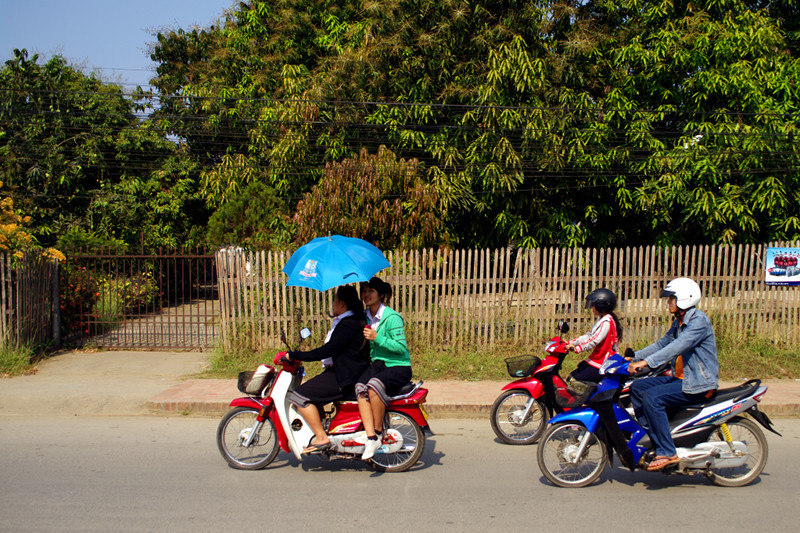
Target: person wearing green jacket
391 361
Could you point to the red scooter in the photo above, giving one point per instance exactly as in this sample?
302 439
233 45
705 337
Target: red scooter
250 435
520 413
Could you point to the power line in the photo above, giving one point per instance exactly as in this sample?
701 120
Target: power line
156 97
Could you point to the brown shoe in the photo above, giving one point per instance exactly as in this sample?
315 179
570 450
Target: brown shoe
661 461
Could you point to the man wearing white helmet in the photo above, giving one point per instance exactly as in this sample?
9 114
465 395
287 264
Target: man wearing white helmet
691 346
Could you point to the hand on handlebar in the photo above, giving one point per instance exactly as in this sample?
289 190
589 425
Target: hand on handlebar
637 366
281 357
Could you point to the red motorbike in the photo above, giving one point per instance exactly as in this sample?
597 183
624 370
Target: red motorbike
520 413
250 435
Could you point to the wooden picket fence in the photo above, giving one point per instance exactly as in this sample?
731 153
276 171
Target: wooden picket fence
26 299
483 298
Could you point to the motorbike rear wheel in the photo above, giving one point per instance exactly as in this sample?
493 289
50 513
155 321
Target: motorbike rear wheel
413 444
234 428
748 432
557 456
507 417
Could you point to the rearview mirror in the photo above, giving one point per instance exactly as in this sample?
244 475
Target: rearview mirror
305 333
563 326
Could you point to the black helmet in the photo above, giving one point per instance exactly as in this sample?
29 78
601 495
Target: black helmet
603 300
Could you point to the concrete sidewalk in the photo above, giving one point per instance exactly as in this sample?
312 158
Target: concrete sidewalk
446 399
161 383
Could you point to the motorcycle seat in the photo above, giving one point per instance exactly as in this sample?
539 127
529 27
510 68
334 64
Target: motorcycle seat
678 415
730 393
406 390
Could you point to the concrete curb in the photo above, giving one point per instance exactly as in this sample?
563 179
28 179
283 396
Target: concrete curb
445 399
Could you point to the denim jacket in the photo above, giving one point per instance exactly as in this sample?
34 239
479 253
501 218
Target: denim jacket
695 340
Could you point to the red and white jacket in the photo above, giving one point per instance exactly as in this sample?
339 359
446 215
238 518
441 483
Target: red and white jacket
602 341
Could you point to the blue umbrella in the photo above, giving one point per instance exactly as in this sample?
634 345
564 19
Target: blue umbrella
328 262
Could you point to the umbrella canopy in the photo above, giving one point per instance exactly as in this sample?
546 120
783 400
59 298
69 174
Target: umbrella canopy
328 262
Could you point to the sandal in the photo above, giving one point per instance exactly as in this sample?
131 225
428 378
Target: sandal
314 448
661 461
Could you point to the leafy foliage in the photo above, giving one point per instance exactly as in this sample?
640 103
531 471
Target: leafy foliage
537 123
75 154
550 122
375 197
256 219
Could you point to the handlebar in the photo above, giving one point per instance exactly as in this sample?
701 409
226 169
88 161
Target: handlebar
643 372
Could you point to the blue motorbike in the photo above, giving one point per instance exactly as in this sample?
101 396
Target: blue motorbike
713 438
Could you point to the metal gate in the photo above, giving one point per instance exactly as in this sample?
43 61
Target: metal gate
142 301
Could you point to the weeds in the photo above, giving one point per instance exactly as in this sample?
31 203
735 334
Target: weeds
16 360
755 358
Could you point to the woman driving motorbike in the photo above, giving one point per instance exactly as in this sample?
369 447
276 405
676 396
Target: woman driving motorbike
692 347
601 340
345 355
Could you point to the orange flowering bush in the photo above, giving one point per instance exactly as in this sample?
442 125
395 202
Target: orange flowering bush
14 237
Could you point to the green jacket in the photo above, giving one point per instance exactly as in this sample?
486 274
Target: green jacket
390 344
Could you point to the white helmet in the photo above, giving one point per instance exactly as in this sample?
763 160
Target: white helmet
685 290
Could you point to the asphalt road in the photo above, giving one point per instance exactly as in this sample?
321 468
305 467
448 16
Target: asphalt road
165 474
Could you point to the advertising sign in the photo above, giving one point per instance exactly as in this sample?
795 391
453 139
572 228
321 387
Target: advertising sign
783 266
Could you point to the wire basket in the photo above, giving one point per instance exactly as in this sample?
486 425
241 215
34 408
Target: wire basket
576 393
255 383
521 366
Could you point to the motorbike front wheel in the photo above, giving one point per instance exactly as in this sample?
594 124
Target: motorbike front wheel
233 431
745 431
413 445
558 455
510 422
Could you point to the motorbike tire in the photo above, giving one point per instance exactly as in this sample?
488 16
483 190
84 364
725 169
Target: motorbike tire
506 411
231 431
747 431
413 444
557 448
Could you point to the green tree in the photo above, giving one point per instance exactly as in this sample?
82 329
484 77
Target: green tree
257 219
376 197
75 152
537 123
714 158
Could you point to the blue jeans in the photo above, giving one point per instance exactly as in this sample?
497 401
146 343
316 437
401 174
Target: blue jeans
650 398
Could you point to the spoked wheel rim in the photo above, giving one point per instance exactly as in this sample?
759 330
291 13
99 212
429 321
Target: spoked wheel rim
411 450
745 431
558 460
510 422
234 428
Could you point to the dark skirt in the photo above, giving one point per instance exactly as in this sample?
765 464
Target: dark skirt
385 381
318 390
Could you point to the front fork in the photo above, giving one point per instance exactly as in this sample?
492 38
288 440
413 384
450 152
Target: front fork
520 418
256 429
582 446
251 434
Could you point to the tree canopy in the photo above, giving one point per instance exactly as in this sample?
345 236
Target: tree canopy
447 122
78 157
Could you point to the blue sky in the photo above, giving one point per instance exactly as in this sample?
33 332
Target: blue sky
110 37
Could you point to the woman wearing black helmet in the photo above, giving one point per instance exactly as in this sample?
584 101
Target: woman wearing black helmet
602 340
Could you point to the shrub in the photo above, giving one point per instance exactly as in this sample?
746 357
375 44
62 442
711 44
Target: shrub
15 360
92 303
